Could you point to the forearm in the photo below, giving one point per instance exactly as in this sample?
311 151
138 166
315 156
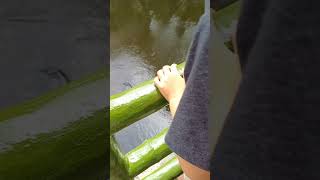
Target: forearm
193 172
173 105
172 86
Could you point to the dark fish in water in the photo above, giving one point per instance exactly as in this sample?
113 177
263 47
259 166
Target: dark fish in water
55 73
127 84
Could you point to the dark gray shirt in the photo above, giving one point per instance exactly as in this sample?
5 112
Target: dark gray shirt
272 131
188 133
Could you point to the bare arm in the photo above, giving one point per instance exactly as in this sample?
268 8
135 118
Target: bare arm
171 85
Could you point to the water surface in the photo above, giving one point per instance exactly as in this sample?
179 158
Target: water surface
144 36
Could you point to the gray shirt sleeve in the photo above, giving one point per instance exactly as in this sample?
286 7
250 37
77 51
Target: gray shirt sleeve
188 133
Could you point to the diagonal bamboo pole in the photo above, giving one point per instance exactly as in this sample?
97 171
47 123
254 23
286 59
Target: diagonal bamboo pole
145 155
168 170
148 153
43 147
142 100
134 104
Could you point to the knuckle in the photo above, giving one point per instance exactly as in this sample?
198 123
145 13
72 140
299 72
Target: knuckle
159 85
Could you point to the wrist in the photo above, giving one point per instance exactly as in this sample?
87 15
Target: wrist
173 104
175 100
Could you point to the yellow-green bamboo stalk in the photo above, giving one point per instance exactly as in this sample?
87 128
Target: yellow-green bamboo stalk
142 157
167 171
134 104
147 154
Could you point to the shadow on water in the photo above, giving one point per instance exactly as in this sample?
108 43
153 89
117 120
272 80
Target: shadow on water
144 36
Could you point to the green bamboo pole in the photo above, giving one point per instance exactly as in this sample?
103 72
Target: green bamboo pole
115 151
138 102
118 168
134 104
38 102
142 157
147 154
72 147
69 152
167 171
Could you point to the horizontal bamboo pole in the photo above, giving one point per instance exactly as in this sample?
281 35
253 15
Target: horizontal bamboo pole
34 104
168 170
147 154
115 151
67 153
134 104
142 157
68 146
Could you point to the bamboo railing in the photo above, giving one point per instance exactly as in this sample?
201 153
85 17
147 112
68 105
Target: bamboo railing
140 101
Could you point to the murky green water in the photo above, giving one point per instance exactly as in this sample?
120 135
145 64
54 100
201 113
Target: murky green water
144 36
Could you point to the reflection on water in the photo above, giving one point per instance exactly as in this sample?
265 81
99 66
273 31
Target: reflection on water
144 36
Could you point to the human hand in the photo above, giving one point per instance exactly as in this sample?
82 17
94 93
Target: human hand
170 83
